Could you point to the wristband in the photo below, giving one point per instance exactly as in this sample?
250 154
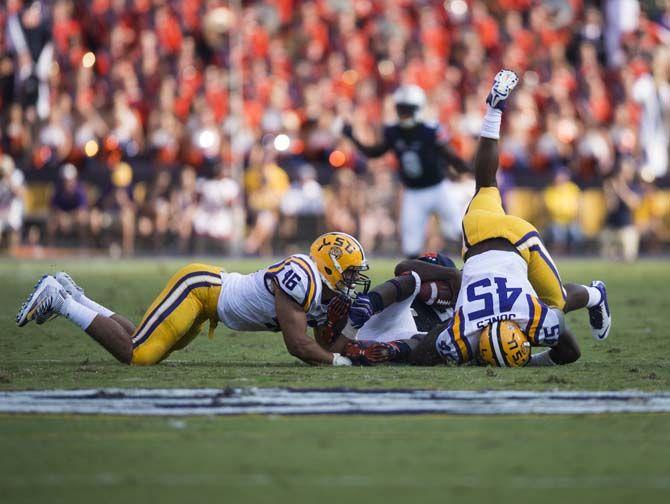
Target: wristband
341 360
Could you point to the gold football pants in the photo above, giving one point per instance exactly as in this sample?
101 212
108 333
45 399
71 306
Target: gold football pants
178 314
486 219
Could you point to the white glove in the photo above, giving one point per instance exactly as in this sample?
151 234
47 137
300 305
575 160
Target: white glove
341 360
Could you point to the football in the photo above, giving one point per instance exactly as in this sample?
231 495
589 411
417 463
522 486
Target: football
437 294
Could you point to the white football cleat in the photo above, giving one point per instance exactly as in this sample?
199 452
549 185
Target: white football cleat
69 284
600 317
503 84
43 302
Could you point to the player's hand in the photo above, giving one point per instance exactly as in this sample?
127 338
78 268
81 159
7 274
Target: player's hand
336 319
347 130
361 310
338 310
366 353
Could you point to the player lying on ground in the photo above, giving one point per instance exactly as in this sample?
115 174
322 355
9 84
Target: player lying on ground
288 296
401 308
511 292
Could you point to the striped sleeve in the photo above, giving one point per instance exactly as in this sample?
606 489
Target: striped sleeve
452 343
296 277
544 324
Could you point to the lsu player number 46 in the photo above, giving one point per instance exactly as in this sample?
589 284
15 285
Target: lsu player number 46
510 283
288 296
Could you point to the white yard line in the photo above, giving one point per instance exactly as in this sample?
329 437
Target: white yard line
276 401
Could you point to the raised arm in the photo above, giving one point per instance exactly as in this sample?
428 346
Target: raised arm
371 151
453 159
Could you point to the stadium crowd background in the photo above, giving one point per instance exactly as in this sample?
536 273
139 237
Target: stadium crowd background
202 125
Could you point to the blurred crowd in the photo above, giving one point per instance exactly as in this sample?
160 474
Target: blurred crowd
207 125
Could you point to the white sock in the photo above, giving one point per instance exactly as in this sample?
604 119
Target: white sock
541 359
78 313
97 308
491 123
594 296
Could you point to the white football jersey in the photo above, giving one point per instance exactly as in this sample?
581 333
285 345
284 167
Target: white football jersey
395 322
247 302
495 287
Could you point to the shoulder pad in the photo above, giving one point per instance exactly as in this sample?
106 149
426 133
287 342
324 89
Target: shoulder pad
298 277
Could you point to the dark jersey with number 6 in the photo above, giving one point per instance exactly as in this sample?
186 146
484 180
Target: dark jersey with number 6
422 151
419 154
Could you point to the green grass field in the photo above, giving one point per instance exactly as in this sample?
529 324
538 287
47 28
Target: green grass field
335 459
609 458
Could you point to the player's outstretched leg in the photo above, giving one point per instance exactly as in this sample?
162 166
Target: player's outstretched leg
77 293
486 158
49 299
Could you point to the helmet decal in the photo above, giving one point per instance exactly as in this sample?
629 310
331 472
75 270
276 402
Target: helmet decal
340 260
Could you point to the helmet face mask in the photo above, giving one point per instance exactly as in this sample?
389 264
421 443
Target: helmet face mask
352 278
409 100
407 114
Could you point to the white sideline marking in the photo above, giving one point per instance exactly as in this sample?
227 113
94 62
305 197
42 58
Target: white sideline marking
276 401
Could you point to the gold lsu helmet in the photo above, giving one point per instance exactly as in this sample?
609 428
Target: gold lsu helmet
341 261
503 344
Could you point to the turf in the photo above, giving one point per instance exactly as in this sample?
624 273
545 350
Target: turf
607 458
335 459
636 355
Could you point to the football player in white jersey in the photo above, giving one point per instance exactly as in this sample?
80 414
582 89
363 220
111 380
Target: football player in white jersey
288 296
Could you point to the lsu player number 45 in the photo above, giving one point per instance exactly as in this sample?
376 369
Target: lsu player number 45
511 290
288 296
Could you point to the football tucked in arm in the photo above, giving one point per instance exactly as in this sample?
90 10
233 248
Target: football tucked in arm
436 294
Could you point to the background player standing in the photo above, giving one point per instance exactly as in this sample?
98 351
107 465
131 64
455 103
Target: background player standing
423 154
